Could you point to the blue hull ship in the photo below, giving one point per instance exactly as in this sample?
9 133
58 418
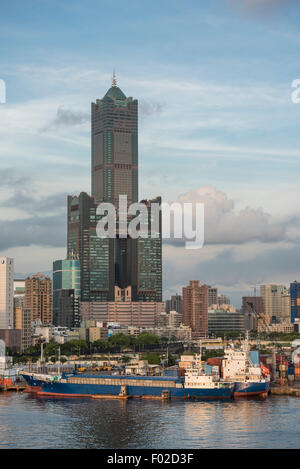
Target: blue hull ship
243 389
124 387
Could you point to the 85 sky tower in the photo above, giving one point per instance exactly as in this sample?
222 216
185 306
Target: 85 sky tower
122 262
115 147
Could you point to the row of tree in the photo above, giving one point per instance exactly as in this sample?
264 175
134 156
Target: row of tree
116 343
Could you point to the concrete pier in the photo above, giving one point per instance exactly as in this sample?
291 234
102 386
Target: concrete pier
278 390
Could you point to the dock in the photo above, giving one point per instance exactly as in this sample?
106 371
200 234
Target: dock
281 390
13 387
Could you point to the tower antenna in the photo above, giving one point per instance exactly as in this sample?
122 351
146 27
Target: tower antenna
114 80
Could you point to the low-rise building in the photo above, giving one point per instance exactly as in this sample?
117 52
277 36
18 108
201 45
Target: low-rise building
225 320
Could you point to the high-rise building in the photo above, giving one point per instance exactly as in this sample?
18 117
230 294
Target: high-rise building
115 147
174 304
195 308
276 301
149 260
38 298
66 276
212 295
295 301
68 308
96 255
121 261
6 293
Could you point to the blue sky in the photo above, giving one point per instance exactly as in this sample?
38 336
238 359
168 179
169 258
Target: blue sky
217 124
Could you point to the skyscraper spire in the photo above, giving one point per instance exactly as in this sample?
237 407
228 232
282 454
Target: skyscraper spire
114 80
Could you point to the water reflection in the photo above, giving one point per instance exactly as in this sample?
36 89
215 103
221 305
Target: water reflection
27 421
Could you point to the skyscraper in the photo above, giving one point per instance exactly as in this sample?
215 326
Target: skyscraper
38 298
66 276
276 301
96 255
195 308
295 301
115 147
120 261
6 293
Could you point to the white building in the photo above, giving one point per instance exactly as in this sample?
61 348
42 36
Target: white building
6 293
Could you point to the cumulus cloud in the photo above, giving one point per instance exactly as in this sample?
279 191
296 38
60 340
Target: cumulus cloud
224 225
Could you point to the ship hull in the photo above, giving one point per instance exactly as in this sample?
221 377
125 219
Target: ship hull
33 385
251 389
146 392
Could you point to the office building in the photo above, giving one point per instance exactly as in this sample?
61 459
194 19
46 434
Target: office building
121 261
115 147
221 320
212 295
66 277
276 301
68 308
295 301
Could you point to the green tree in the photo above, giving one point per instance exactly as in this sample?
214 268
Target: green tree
152 358
148 339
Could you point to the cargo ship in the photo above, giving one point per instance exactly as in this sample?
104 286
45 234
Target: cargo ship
34 381
250 379
195 384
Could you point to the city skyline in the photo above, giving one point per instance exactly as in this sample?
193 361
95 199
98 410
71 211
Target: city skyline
223 134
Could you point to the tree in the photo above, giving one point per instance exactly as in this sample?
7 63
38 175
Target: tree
152 358
147 339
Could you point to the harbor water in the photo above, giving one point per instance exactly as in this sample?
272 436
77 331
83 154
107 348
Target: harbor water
27 421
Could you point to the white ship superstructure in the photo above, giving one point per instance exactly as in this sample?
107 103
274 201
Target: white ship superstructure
237 367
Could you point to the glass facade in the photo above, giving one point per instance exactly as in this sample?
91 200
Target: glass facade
225 321
115 147
94 253
122 262
295 300
66 276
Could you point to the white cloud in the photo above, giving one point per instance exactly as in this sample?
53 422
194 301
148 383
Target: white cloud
223 225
